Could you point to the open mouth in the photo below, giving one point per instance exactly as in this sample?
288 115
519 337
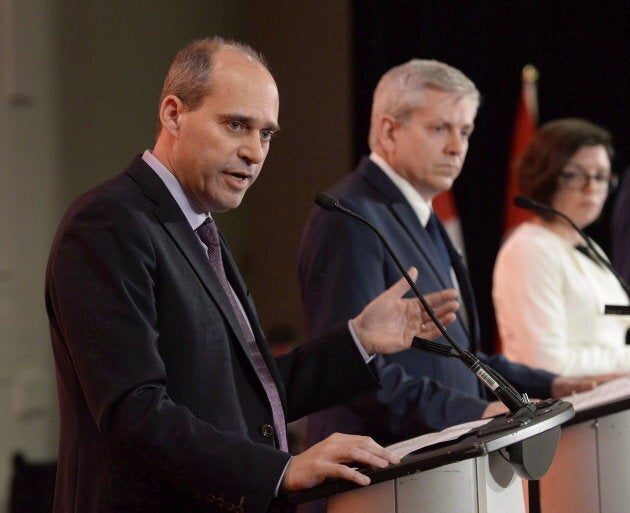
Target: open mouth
238 176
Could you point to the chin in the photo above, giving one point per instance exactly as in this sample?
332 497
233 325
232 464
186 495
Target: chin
441 187
231 205
224 204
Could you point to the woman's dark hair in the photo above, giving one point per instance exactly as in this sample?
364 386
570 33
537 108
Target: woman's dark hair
550 150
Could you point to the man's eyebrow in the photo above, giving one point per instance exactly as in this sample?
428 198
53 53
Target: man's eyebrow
248 121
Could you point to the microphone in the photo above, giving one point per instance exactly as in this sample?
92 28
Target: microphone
530 204
518 404
429 346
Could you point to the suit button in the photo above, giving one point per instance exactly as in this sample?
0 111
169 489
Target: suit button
266 430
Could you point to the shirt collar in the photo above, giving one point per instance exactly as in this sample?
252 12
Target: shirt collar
193 216
420 206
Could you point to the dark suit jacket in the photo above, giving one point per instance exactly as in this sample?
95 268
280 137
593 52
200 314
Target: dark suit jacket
161 410
343 265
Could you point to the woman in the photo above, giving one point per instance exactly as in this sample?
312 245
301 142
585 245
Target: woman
549 292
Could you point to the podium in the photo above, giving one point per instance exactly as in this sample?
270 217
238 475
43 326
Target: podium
590 471
475 473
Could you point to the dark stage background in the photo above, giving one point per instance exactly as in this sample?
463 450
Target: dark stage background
580 50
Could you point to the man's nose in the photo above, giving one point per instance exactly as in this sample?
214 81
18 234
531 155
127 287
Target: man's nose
252 149
456 144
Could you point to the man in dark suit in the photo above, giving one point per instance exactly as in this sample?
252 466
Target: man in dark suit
422 117
169 397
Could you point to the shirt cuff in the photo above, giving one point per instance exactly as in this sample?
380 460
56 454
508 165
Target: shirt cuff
282 477
366 357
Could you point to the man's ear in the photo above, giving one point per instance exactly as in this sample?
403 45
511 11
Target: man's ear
387 133
171 110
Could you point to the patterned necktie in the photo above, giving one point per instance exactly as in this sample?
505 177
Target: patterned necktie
434 232
209 235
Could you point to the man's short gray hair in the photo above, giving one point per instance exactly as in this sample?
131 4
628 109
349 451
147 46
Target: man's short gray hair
401 90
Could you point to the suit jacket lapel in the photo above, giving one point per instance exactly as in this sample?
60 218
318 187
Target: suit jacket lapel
238 284
405 215
409 220
176 225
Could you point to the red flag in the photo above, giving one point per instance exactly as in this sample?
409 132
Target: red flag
524 130
444 206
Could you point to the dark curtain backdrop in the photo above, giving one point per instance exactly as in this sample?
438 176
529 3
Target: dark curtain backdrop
580 50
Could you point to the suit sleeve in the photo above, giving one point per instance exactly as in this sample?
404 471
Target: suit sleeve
341 269
535 382
326 371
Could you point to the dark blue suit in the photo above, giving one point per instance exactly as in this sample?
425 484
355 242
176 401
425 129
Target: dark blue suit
343 265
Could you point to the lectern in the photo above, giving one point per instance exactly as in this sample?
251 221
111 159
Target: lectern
590 471
476 473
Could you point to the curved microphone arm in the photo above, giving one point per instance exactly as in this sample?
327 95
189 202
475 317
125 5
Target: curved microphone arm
529 204
518 404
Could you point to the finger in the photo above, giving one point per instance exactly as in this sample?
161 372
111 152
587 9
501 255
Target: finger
374 455
446 308
603 378
445 314
401 287
441 296
349 474
431 331
583 384
364 449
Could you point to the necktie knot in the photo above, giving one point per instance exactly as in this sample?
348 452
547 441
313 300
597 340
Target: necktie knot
208 233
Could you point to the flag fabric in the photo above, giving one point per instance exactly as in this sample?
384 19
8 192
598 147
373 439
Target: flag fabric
445 208
524 129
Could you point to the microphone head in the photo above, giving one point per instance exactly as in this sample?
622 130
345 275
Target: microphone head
326 201
525 202
530 204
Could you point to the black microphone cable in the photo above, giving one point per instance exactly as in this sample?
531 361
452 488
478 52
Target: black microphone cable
517 403
529 204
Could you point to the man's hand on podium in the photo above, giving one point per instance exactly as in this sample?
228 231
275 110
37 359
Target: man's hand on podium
563 386
495 408
330 458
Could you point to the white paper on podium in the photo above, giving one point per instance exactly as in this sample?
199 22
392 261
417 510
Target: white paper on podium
606 393
451 433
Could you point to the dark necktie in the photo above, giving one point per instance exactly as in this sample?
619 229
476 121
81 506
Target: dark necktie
209 235
440 246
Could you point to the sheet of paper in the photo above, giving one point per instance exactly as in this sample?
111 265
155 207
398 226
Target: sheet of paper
413 444
605 393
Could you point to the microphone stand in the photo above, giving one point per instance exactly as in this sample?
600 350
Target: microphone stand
519 405
528 203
